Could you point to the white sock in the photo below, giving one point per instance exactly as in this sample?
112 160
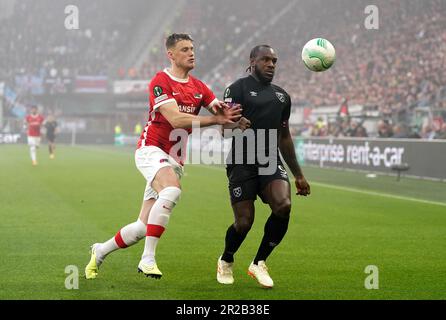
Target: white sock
158 219
33 153
126 237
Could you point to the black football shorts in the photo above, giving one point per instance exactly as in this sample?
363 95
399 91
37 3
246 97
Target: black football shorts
245 182
51 138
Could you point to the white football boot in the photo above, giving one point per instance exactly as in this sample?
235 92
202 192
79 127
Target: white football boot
224 272
260 273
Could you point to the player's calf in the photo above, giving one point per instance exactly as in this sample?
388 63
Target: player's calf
158 219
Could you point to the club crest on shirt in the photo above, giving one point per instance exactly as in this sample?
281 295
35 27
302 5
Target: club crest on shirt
227 93
280 96
198 96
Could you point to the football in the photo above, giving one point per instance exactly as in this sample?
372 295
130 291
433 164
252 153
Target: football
318 55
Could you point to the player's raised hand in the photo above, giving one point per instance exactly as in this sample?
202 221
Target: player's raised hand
302 186
226 114
220 105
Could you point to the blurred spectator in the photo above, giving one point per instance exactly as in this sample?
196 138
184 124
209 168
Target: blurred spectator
442 133
400 131
384 129
427 132
359 131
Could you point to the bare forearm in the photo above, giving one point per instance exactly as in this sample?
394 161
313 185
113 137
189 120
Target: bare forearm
289 155
212 110
185 121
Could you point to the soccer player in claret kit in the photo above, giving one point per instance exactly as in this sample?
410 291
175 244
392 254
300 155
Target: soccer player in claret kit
267 107
51 127
34 122
175 99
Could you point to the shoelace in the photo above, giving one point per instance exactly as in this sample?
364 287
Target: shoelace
264 268
225 268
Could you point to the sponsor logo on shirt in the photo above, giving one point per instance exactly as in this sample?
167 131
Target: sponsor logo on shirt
253 94
187 109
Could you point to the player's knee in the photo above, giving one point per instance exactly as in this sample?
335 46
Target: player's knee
243 225
283 208
171 194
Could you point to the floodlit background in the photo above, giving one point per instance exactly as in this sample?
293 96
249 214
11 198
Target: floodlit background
380 110
94 78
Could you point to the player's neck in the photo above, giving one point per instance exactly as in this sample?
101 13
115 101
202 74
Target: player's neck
179 73
258 79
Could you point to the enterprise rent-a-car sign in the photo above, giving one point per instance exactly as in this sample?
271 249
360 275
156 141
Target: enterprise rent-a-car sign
425 158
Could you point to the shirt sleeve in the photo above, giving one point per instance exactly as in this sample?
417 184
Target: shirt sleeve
286 112
233 93
209 98
160 92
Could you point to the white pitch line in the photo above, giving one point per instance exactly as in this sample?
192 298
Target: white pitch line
378 194
371 193
324 185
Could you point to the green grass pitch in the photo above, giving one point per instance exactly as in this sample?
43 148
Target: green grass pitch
52 213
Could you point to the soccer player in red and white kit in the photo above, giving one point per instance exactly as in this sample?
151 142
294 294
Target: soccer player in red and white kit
175 101
34 122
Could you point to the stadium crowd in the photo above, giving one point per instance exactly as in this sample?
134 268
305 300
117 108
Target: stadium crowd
35 41
398 68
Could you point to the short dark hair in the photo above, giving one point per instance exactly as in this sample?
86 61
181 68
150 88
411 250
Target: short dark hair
172 40
255 53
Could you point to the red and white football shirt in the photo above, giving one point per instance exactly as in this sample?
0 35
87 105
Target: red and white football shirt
190 94
34 124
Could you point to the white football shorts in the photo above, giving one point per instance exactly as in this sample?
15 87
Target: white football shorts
149 160
33 141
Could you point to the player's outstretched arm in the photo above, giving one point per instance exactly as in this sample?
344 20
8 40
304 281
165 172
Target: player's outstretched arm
286 147
182 120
